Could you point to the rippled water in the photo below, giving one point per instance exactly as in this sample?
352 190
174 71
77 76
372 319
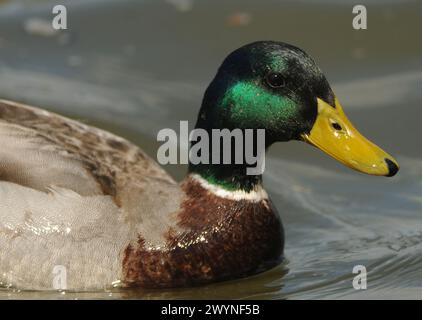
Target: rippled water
134 67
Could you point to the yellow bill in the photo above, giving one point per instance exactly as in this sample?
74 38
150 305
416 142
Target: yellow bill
334 134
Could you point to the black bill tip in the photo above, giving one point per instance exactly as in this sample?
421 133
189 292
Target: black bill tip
392 167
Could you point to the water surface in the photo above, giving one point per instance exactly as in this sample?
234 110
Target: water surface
135 67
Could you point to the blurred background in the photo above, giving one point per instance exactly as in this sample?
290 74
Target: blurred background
134 67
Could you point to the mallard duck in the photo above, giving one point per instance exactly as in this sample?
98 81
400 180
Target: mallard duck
75 196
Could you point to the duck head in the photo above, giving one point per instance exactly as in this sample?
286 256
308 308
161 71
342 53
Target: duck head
278 87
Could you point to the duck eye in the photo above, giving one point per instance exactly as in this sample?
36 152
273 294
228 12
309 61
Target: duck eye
275 80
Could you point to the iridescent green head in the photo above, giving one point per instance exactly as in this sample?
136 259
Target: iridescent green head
278 87
269 85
